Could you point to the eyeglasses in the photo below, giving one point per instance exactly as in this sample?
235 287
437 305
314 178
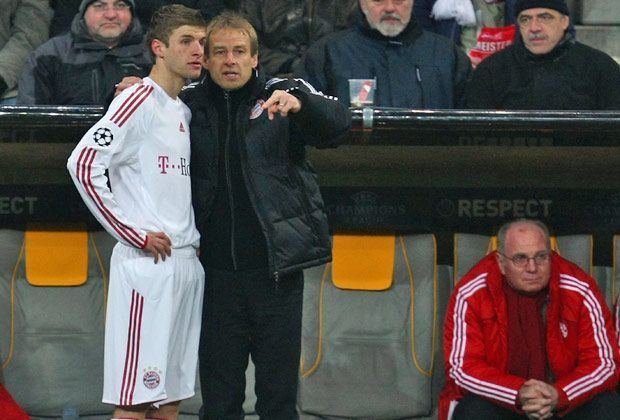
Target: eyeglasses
101 7
521 260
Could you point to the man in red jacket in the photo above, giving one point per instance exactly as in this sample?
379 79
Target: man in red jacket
528 335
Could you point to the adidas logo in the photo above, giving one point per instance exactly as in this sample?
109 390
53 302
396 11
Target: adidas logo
181 128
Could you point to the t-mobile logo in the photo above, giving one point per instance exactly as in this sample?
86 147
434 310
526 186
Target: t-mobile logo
164 165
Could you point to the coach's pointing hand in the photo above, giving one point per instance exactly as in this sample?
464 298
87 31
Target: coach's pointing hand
281 102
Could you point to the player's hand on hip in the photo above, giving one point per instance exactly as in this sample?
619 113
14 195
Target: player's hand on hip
282 103
159 245
128 81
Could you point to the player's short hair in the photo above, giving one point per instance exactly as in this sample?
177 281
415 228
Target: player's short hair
232 20
168 18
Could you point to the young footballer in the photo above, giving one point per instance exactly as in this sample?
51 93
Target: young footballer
132 170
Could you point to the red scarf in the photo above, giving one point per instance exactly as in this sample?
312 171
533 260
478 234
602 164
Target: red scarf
526 334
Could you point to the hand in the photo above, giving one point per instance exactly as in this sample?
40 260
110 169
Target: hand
538 399
281 102
159 245
128 81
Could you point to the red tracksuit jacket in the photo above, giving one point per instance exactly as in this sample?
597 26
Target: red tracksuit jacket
582 351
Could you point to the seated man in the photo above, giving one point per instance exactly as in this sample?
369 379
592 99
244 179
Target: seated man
413 68
545 68
81 67
527 334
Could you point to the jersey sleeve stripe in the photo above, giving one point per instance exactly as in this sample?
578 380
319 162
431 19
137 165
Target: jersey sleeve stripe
130 105
459 345
607 364
84 165
109 217
127 102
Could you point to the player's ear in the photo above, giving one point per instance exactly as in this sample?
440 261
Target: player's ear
157 47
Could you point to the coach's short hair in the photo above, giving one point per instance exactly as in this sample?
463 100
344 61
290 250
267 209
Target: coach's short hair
232 20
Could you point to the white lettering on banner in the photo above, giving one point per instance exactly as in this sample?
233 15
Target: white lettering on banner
17 205
504 208
492 46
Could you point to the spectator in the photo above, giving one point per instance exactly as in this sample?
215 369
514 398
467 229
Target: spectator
261 213
24 26
444 17
528 334
413 68
65 10
81 68
546 68
286 29
208 8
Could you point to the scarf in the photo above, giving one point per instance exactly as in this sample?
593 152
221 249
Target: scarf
526 334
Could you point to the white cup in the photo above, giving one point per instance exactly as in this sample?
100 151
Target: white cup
362 92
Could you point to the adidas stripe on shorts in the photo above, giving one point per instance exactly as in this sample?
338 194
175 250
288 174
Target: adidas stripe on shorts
152 326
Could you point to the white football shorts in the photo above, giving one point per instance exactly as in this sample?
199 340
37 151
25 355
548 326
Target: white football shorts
152 327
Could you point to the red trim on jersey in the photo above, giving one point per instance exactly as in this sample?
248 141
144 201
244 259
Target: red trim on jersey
84 166
130 105
130 373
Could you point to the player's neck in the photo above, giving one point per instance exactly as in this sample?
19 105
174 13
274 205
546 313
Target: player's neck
170 82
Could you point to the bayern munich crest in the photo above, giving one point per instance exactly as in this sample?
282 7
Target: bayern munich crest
257 110
103 136
151 378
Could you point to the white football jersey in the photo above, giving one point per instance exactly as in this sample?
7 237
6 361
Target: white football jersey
143 142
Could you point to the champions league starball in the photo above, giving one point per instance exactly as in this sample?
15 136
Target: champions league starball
103 136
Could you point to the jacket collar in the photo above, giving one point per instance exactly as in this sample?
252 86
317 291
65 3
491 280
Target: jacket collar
557 52
254 87
408 36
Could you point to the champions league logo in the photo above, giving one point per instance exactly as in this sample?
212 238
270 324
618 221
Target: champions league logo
103 136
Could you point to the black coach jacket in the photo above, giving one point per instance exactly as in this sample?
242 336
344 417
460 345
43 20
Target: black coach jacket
281 184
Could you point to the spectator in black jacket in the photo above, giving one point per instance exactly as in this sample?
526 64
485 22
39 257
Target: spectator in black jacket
105 44
413 68
287 28
546 68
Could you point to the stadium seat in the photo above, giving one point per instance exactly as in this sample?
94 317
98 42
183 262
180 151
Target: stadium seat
368 346
471 248
52 295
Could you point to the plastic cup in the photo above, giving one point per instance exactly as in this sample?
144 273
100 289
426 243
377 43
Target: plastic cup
362 92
